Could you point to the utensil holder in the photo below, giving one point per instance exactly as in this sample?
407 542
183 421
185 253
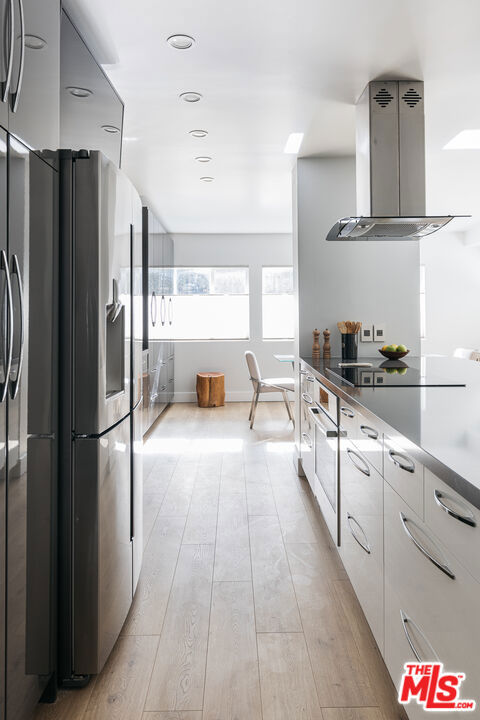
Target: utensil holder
349 346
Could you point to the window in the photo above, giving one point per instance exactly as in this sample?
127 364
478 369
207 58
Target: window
277 303
201 303
423 303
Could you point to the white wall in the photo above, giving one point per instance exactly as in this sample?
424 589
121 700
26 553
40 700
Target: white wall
228 356
452 279
349 280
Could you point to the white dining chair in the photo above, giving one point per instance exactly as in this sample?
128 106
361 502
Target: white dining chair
466 353
264 385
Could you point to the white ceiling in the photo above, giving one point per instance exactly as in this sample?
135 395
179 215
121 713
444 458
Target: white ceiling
267 68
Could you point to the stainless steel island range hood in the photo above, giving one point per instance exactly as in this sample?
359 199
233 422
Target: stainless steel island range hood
390 166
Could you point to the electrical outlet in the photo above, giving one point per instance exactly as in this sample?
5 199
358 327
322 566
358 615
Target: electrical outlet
366 333
379 332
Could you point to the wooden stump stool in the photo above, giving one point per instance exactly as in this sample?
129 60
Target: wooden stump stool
210 389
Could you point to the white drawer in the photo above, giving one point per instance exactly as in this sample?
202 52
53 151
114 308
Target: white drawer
360 483
307 386
348 419
369 440
404 474
361 544
454 521
307 434
440 612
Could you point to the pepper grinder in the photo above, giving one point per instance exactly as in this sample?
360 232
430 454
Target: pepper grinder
326 344
316 345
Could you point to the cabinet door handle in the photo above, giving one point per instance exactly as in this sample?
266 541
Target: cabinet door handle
468 518
364 545
163 309
440 565
363 466
15 382
347 412
406 621
303 372
308 399
369 432
16 94
153 303
8 76
170 311
401 461
310 378
307 439
9 321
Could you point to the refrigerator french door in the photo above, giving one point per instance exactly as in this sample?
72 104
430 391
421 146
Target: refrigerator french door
100 482
28 420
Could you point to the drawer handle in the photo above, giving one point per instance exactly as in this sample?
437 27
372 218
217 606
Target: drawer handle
369 432
363 467
310 378
303 372
308 399
468 518
307 439
347 412
364 545
406 621
408 466
440 565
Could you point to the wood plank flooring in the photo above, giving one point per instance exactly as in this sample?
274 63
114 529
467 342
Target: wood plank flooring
243 609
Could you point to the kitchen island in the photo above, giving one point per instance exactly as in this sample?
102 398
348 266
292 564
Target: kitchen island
395 472
440 424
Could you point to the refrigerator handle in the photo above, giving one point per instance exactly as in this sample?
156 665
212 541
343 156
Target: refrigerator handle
4 266
16 94
8 77
163 309
16 382
153 304
115 307
170 311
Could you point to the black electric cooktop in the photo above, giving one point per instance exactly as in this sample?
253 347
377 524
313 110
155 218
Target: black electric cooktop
389 373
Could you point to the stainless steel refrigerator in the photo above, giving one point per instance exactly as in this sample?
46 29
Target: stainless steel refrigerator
28 419
100 478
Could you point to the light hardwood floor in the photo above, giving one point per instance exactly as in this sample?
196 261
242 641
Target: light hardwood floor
243 609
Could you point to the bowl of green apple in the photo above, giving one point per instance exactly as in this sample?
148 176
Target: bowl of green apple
394 352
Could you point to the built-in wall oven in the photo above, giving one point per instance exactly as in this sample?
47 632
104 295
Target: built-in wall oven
324 413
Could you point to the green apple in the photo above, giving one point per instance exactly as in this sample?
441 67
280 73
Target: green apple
390 371
402 371
391 348
401 348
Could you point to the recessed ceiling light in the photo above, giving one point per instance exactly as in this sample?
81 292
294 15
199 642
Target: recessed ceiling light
198 133
203 158
34 42
190 96
292 146
465 140
207 178
180 42
112 129
79 92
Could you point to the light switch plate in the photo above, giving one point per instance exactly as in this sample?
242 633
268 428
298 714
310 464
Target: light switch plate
379 332
366 333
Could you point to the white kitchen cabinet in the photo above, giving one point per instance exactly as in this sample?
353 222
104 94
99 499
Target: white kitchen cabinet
404 474
361 546
431 602
369 440
307 435
455 520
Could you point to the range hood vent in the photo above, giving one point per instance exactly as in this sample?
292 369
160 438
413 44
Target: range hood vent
390 166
